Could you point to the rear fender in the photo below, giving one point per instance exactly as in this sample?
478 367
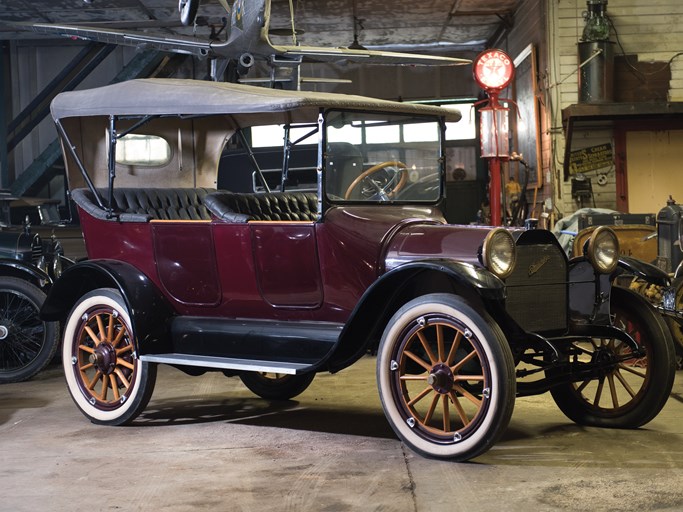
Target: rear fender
149 312
381 300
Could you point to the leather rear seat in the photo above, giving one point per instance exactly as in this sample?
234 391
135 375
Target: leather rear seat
142 205
288 206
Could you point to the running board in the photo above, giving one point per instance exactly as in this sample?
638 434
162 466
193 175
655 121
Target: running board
225 363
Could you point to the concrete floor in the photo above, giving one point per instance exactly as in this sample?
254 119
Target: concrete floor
206 443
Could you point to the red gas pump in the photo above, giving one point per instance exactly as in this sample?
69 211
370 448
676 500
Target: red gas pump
493 71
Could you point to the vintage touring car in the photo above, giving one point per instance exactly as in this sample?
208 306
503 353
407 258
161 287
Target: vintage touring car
207 252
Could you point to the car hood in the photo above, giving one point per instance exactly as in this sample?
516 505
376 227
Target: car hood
428 242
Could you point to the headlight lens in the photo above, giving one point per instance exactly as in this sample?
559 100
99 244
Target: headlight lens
499 252
603 250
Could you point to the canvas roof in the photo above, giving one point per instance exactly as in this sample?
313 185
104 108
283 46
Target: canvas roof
154 96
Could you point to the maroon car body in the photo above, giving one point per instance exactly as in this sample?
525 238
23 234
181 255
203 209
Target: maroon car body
352 254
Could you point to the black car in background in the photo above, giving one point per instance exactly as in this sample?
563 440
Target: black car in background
30 260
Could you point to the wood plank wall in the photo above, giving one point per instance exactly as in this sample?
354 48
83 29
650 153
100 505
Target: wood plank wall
530 28
649 32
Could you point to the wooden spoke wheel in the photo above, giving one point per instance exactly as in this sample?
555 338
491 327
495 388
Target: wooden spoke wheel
27 344
446 377
624 389
276 386
106 379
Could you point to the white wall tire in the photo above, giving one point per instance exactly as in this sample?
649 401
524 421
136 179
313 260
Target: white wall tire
105 377
446 377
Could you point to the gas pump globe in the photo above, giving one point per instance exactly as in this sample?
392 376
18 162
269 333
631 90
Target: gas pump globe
493 72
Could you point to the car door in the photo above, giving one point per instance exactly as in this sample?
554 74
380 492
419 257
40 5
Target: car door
286 263
185 260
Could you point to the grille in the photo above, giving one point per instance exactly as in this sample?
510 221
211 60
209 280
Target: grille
537 289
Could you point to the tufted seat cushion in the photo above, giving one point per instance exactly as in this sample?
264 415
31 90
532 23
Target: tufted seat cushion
233 207
164 203
140 204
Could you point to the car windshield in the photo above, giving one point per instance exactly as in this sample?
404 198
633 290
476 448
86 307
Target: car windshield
382 158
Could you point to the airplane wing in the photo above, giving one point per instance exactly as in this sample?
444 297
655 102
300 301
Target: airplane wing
322 54
232 48
176 44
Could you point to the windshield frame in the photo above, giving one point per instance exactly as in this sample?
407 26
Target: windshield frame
323 159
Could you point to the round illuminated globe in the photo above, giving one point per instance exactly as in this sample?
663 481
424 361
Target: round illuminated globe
493 70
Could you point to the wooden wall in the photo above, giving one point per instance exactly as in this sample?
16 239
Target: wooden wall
650 35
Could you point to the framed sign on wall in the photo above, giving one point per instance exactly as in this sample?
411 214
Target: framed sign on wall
526 126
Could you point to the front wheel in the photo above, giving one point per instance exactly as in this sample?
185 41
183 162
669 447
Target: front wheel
27 344
622 389
276 386
446 377
104 374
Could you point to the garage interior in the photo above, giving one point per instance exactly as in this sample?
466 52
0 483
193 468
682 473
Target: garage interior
207 442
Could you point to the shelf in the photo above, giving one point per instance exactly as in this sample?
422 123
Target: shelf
586 113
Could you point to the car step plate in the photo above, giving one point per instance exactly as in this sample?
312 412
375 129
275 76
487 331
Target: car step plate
226 363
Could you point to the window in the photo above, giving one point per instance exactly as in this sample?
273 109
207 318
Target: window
421 132
382 134
382 158
142 150
346 133
274 135
465 129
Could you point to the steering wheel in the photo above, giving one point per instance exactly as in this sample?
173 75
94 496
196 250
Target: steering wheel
389 189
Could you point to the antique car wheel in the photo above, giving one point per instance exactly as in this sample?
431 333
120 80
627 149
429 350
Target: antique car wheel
446 377
188 11
400 167
27 344
276 386
105 377
628 391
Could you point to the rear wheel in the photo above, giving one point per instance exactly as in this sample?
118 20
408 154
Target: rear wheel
27 344
276 386
627 390
446 377
188 11
106 379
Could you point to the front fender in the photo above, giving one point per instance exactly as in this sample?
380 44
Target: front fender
386 295
643 270
478 279
26 271
148 310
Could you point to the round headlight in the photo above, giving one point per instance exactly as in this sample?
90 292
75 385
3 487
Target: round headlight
603 250
499 252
